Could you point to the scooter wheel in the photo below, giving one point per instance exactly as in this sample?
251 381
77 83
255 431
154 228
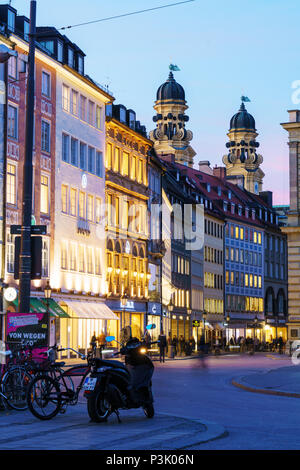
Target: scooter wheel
98 407
149 411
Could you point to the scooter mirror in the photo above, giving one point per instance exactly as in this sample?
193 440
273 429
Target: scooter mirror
152 326
108 339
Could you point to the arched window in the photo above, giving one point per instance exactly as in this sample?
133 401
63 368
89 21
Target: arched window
118 247
280 302
269 301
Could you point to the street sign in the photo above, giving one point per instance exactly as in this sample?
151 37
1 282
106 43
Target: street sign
35 229
36 257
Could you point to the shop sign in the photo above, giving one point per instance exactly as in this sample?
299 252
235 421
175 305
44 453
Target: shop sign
154 308
31 329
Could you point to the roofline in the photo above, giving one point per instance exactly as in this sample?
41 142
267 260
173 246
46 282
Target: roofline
128 129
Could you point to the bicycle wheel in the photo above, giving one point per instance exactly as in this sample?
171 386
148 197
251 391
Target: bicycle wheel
43 397
14 388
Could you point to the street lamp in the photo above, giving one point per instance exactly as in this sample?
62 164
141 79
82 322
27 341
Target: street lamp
48 292
124 298
204 316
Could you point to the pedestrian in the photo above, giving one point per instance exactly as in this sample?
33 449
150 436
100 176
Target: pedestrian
202 351
280 344
181 345
147 339
93 342
175 344
162 346
101 342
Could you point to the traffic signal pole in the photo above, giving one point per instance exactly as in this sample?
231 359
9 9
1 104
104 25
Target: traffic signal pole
25 252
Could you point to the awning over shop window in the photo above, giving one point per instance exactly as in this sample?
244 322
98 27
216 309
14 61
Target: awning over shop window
55 309
90 310
40 306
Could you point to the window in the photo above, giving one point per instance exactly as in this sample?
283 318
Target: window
64 198
98 210
74 104
11 20
83 149
255 236
246 280
65 147
74 151
82 108
45 257
90 267
91 112
60 51
73 201
63 255
140 171
46 84
70 57
90 207
49 45
73 257
11 192
99 164
82 205
259 238
81 258
12 124
98 117
91 160
125 163
45 136
97 261
80 64
108 156
117 159
10 253
44 194
237 232
65 98
12 67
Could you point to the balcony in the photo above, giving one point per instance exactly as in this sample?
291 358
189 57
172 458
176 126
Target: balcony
83 227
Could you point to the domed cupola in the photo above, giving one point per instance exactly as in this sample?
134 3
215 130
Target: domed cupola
170 136
170 90
242 160
242 120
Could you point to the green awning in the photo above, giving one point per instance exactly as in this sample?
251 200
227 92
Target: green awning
56 309
37 306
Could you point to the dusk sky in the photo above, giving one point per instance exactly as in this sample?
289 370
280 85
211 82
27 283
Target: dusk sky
224 50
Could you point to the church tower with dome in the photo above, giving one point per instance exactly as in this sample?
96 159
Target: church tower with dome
170 136
242 162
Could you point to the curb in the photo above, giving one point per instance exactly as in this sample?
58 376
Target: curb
264 391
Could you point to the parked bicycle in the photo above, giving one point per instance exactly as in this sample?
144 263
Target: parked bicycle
50 391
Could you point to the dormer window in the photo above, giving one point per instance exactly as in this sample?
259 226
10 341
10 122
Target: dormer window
232 208
80 64
11 16
240 210
70 57
210 205
208 187
260 213
60 51
266 216
206 203
271 218
219 191
229 194
247 212
253 214
225 205
48 45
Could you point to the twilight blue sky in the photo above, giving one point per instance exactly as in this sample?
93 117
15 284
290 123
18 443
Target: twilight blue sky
224 50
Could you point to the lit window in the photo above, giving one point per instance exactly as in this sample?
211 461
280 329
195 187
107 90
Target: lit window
255 236
73 257
259 238
108 156
117 159
64 198
236 232
98 117
251 280
241 233
125 163
90 267
63 255
90 207
246 280
82 205
98 210
65 98
81 257
73 201
11 193
44 194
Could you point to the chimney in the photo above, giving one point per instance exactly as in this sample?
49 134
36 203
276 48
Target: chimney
204 166
220 172
267 196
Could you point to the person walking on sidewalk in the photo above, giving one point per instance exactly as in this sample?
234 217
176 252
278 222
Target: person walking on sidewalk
181 345
162 346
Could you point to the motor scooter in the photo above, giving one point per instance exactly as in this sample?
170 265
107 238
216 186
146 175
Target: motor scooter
113 385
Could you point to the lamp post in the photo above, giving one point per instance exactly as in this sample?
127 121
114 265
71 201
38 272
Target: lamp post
47 292
255 323
204 316
123 303
25 249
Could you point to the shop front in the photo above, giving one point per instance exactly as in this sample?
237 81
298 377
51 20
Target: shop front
154 317
133 314
181 325
85 319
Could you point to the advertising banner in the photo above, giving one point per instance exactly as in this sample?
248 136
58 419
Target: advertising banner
28 329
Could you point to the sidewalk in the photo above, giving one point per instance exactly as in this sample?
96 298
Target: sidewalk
284 381
74 431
